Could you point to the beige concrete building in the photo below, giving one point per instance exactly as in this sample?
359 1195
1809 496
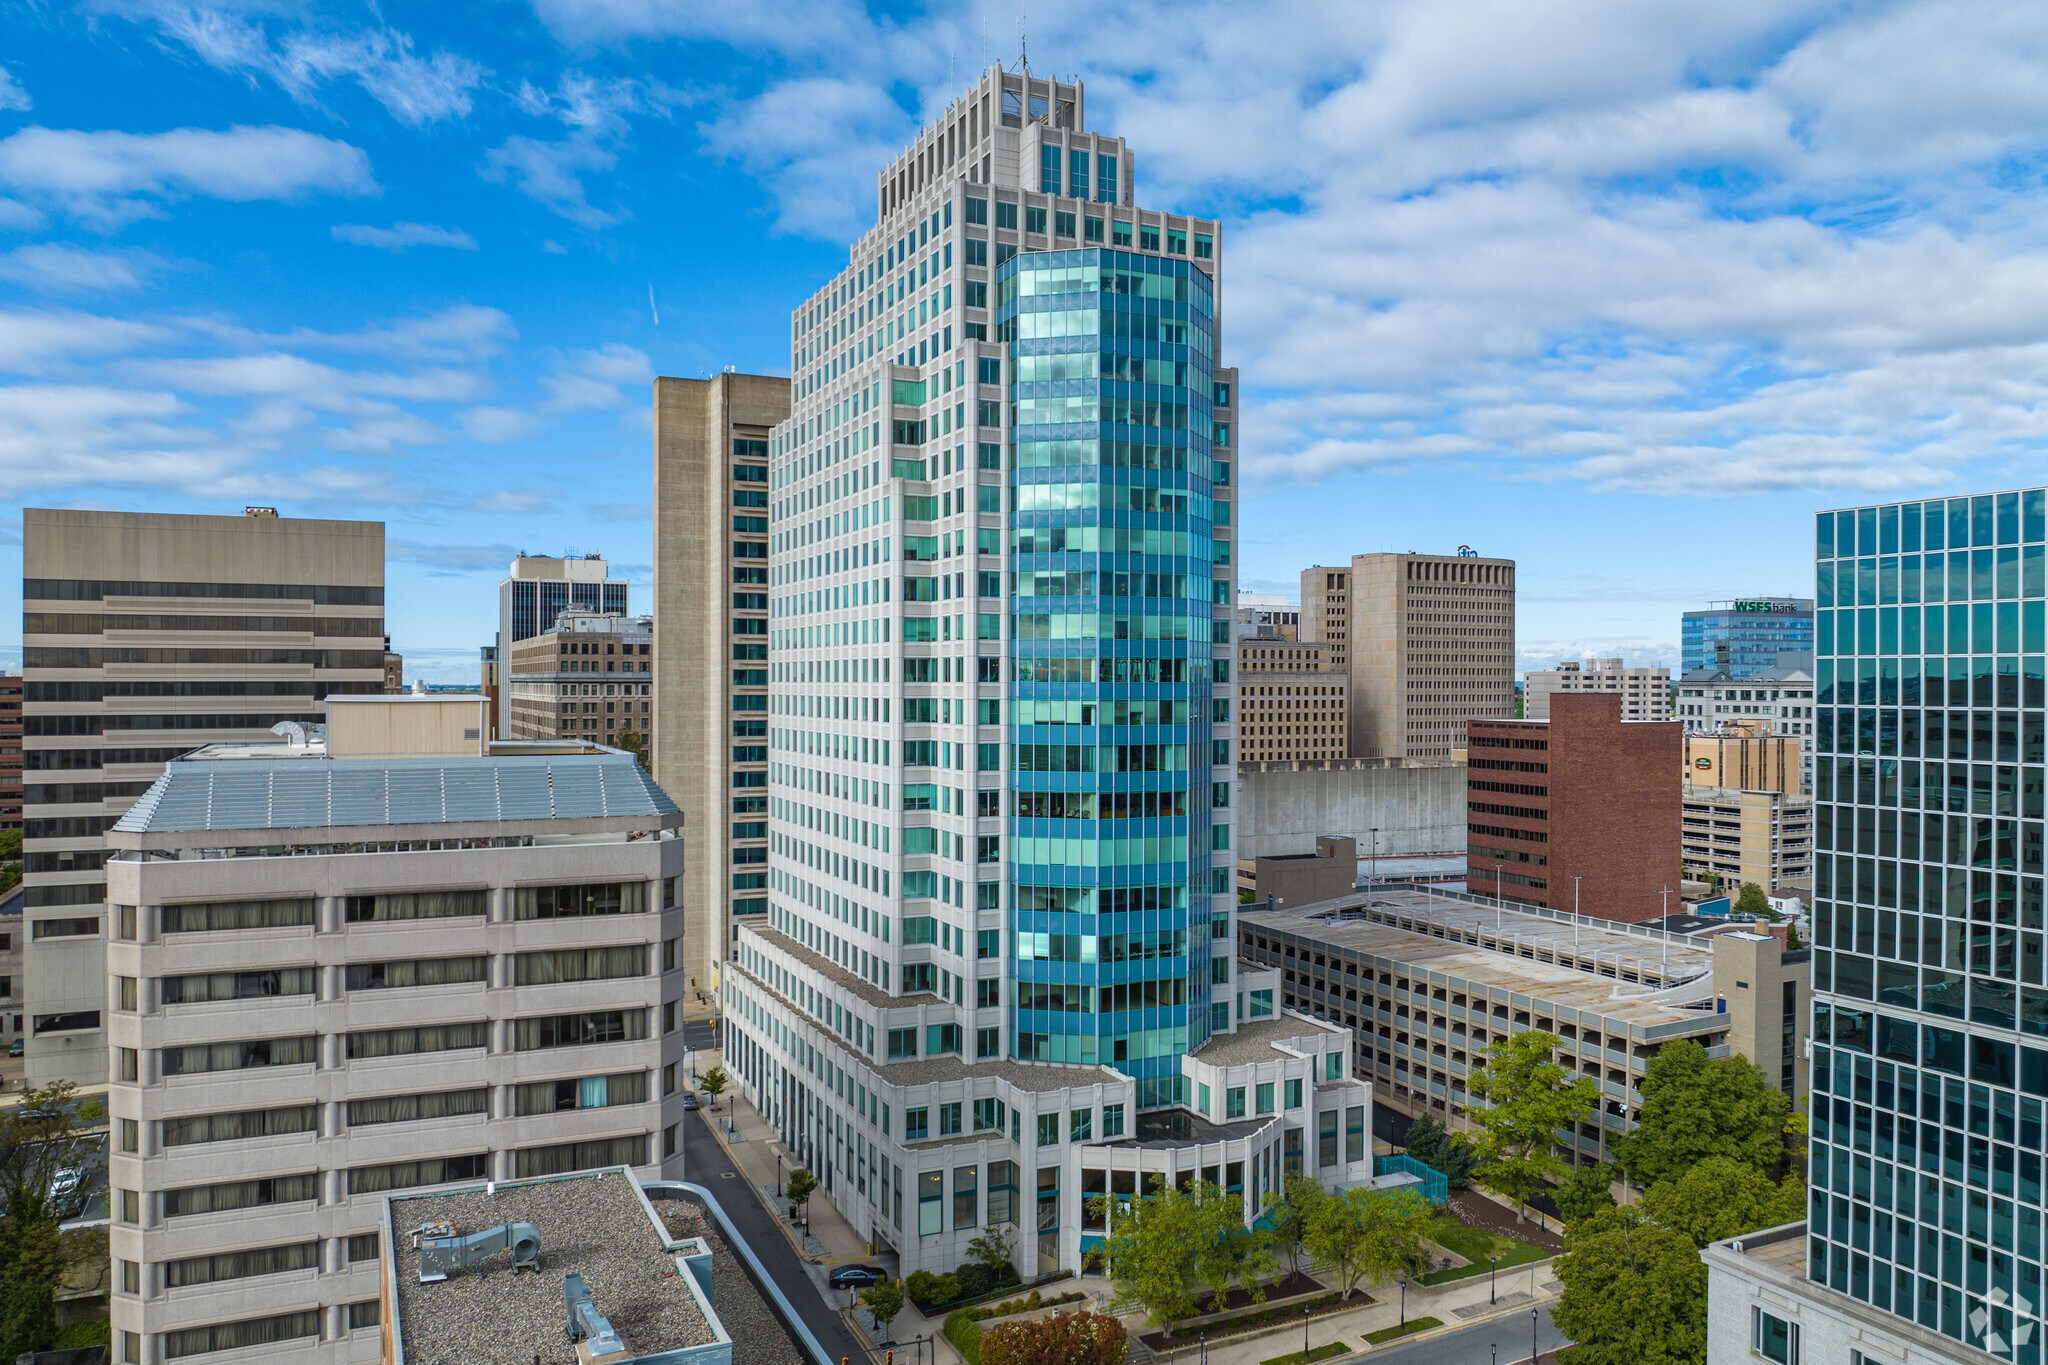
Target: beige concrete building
1428 642
1748 761
711 641
1426 981
1292 701
1768 991
1764 837
145 636
1645 692
1265 613
1298 878
397 958
591 677
538 588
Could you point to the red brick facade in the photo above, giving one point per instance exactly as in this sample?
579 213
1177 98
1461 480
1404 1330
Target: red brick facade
10 751
1583 794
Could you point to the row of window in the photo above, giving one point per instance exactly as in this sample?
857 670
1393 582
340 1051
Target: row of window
528 1035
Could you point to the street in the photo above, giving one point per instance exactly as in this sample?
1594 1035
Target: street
1472 1346
705 1163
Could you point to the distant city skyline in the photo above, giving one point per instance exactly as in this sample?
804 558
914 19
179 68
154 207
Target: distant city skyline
1621 294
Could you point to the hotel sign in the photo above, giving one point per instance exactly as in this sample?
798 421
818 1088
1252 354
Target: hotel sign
1767 605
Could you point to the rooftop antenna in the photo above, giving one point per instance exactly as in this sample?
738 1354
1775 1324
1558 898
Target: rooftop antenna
1023 40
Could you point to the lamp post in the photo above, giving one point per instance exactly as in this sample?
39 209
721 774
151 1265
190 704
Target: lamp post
1404 1297
1205 1349
778 1175
1304 1334
1534 1318
1372 877
1492 1276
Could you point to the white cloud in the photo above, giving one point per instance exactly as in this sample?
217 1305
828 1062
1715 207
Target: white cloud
497 426
34 342
108 177
585 380
520 502
415 90
12 97
622 511
452 559
597 114
400 236
56 268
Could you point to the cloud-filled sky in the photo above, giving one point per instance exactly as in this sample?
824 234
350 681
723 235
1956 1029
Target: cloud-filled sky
1621 289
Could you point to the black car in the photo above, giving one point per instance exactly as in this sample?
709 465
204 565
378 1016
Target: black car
857 1276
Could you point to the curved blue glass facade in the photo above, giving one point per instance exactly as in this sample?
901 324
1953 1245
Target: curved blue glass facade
1111 668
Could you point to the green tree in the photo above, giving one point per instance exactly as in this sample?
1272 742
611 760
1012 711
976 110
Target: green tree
1634 1293
1297 1204
1587 1193
631 741
1721 1197
1792 940
992 1250
1432 1144
883 1300
1166 1249
1523 1100
798 1188
1752 903
1694 1107
713 1083
1367 1234
10 860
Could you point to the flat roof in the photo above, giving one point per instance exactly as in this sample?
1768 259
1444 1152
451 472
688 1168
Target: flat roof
1258 1040
596 1224
1546 958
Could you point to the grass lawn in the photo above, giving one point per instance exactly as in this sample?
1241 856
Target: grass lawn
1412 1325
1473 1244
1334 1348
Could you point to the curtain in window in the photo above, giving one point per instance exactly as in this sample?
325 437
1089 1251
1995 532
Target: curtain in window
212 916
195 990
399 1042
403 1175
596 898
297 1118
234 1056
581 964
432 971
240 1194
572 1030
408 1108
417 905
227 1336
241 1265
583 1156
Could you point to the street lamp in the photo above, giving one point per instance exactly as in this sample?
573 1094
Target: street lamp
1205 1349
1492 1275
1533 1319
1304 1334
1372 878
1404 1297
778 1175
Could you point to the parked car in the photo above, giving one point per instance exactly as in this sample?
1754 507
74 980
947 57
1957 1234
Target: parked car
856 1276
689 1100
66 1181
17 1047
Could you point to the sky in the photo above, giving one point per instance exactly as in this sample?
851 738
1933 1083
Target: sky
1620 289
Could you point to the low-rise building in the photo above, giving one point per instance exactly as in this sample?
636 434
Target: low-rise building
392 957
1267 613
589 677
1427 980
1645 692
1291 701
1764 837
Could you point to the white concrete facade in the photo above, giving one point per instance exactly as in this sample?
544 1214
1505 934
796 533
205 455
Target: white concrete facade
1645 692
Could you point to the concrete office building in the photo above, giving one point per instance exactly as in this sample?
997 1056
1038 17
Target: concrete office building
589 677
488 679
396 958
1265 613
1299 878
1773 701
145 636
538 588
1764 837
1426 981
997 966
711 642
1579 812
1645 692
1293 701
12 927
1749 762
10 751
1427 640
1928 1000
1392 806
1745 635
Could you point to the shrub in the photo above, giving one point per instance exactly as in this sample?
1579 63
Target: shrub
928 1291
961 1330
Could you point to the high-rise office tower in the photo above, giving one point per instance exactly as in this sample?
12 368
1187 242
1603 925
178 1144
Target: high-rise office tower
999 941
1746 636
1428 641
537 588
711 642
1928 1071
145 636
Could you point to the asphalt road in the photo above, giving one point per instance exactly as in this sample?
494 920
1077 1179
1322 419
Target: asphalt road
1475 1345
705 1163
700 1034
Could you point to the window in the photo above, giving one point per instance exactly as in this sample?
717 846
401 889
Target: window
931 1202
429 971
365 1313
404 1042
598 898
949 1119
440 1104
582 1156
1773 1338
988 990
1006 215
239 1055
1081 1125
1048 1130
413 905
976 252
1233 1102
214 916
966 1196
581 964
1148 238
977 211
988 1116
195 990
1105 179
67 1023
988 1042
988 370
1002 1192
916 1124
1034 220
576 1030
902 1043
70 928
1112 1120
1049 169
241 1265
236 1194
1265 1097
1205 246
228 1336
405 1175
1176 242
1062 224
247 1123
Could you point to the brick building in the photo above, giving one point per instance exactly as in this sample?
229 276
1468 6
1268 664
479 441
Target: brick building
1582 795
10 751
588 678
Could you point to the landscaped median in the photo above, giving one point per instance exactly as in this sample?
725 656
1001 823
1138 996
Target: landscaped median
1323 1352
1474 1245
1408 1328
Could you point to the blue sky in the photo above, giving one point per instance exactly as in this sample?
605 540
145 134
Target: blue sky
1622 290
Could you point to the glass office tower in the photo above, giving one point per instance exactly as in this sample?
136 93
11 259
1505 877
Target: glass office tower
1930 1062
1749 633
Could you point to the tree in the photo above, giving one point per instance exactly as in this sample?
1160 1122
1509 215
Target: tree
1367 1234
993 1249
1792 941
883 1300
1694 1107
1063 1339
1587 1193
1432 1144
1166 1248
10 860
1300 1198
1634 1293
46 1139
1720 1197
713 1083
1752 903
798 1188
631 741
1524 1099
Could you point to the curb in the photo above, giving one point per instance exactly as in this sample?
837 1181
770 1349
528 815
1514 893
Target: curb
774 1216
